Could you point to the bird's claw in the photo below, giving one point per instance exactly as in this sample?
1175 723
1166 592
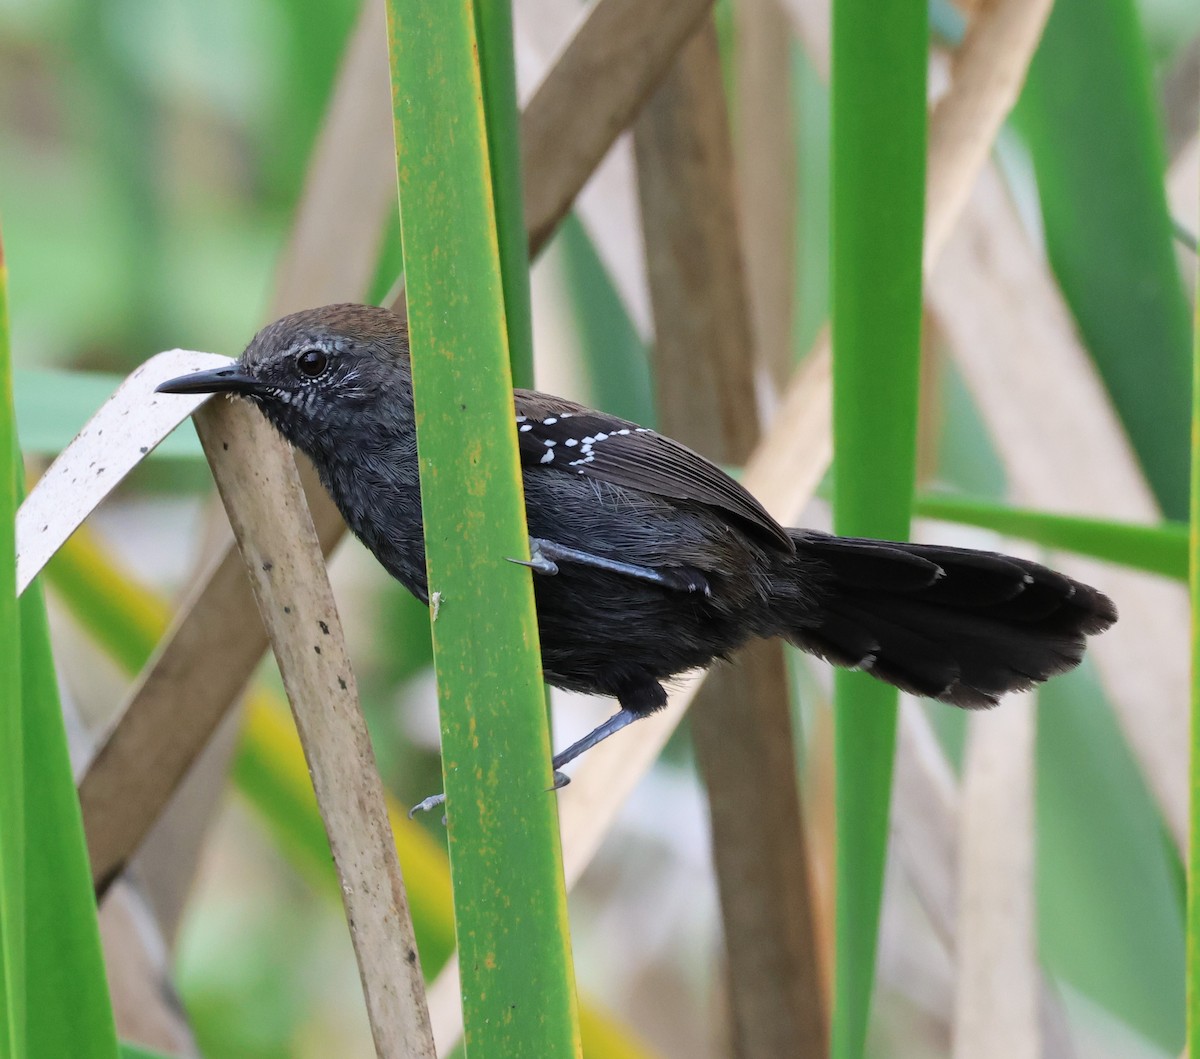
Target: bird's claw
432 802
537 562
561 779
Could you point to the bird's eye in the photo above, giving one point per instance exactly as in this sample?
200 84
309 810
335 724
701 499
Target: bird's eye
312 362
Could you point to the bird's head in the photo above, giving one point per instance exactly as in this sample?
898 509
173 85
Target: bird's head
318 372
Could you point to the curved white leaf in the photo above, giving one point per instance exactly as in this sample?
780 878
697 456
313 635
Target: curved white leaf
114 441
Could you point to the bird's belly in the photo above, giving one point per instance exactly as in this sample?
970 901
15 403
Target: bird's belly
602 632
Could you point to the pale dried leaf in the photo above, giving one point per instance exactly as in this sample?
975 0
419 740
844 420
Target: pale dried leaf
114 441
927 832
989 70
813 23
146 1007
996 1001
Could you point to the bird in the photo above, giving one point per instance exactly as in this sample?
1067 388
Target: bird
649 560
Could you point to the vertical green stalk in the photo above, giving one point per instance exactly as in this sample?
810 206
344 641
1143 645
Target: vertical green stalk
54 990
506 868
1193 875
493 22
879 60
12 758
69 1011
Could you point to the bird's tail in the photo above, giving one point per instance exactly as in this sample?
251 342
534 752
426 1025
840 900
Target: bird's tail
952 624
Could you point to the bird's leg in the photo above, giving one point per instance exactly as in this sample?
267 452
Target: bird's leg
545 555
598 734
639 699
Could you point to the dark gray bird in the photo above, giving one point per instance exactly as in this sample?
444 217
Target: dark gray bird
649 559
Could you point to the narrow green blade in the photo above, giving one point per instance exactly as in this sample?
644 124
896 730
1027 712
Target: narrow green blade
1097 150
1193 899
1110 915
498 71
135 1051
510 905
878 130
69 1012
12 756
1161 549
614 357
55 987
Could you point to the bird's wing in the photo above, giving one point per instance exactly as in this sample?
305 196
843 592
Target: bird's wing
559 435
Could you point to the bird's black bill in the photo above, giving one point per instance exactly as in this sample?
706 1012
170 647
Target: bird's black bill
216 380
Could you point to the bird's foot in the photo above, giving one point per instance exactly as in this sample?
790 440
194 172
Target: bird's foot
424 806
539 562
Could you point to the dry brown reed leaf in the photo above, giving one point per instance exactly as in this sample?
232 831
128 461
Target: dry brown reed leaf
176 705
261 490
350 185
606 205
765 147
704 366
703 353
597 85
